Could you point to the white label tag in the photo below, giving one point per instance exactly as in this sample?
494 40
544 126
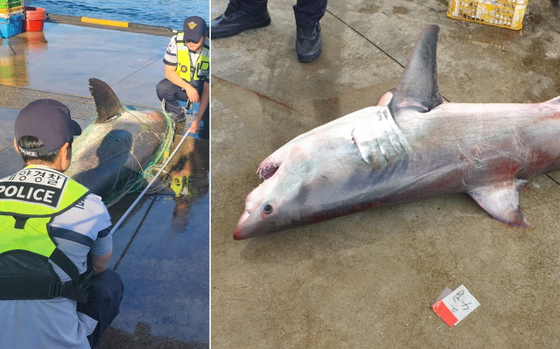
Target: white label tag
455 306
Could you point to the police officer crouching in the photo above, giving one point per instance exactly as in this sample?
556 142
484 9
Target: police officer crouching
187 76
55 242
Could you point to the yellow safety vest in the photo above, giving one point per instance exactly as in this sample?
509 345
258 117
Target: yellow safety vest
194 73
29 201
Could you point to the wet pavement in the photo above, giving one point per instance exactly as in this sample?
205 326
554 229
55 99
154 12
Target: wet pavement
161 249
368 280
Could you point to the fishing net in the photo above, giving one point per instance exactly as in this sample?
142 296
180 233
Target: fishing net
113 160
138 182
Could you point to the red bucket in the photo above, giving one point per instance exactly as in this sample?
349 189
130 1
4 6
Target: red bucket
34 19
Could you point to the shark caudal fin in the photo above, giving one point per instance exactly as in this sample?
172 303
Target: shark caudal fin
106 101
418 87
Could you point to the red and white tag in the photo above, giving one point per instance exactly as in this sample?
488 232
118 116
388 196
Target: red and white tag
454 306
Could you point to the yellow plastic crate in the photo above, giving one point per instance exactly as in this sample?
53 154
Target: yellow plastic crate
499 13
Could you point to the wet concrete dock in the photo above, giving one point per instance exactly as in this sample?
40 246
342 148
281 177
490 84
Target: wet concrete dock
368 280
161 250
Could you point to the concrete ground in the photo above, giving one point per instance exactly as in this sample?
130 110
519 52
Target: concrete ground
368 280
161 250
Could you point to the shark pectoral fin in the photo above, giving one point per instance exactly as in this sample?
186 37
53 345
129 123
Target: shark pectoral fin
382 143
501 201
369 150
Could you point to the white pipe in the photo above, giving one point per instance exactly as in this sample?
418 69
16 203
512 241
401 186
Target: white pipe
116 226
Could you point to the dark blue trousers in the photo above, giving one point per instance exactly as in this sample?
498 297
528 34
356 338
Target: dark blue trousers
105 295
172 94
307 12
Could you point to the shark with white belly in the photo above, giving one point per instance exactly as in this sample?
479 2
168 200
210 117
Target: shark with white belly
415 147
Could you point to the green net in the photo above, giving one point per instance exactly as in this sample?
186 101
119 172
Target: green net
138 182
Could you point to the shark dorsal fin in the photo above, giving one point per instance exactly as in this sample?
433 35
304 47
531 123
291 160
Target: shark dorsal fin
106 101
418 87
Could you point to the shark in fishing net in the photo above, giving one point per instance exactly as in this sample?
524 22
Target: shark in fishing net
121 148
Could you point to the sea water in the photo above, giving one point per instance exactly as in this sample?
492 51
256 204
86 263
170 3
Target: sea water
164 13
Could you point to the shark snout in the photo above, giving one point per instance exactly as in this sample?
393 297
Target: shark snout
250 225
237 235
240 232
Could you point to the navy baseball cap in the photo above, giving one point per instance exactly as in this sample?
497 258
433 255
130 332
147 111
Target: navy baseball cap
194 28
49 121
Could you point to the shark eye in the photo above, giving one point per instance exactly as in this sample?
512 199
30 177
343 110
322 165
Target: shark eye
267 209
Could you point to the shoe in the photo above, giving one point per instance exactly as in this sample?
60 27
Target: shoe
180 121
309 43
178 117
234 21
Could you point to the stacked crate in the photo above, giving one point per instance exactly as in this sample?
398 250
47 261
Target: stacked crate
11 17
500 13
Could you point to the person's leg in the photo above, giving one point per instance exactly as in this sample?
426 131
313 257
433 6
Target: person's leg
240 15
309 12
253 7
204 131
105 295
172 94
309 41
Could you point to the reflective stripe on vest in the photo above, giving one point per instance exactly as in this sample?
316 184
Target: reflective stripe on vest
184 66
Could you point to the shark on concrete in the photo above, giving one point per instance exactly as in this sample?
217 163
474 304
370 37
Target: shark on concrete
410 147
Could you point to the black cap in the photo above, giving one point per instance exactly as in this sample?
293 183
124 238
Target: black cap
194 28
49 121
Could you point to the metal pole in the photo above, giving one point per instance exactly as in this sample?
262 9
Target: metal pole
116 226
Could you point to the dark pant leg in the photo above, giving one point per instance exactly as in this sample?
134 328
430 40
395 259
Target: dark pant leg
309 12
171 93
105 295
254 7
204 131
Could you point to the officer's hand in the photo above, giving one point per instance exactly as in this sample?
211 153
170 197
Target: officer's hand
195 126
192 93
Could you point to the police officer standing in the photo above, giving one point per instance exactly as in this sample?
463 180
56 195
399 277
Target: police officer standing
187 75
241 15
55 242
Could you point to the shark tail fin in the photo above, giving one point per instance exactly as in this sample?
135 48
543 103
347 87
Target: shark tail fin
106 102
418 87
